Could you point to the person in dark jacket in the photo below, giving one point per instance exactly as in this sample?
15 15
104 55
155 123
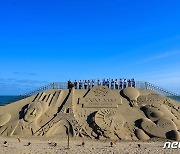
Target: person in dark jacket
120 84
129 83
75 84
107 83
133 83
69 84
104 82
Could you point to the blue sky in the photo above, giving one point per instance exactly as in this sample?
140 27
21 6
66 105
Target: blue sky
43 41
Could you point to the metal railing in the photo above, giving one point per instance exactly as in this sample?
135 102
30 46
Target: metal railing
139 85
149 86
54 85
162 91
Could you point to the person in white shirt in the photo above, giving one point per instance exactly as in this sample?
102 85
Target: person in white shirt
85 84
116 84
124 84
80 84
92 83
99 83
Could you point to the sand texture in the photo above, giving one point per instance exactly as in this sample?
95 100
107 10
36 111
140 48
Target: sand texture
59 146
98 114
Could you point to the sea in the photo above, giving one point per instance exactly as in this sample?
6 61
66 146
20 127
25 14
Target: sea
4 100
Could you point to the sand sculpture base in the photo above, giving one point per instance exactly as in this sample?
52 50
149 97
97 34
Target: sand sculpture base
99 113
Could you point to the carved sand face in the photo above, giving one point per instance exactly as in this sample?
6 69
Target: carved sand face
156 111
33 112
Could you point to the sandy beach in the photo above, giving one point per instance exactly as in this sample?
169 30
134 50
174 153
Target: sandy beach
56 145
140 121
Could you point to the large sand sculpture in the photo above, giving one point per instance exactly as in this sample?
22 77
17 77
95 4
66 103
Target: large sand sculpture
99 113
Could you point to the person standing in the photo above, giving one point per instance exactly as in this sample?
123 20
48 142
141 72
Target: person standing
89 84
116 84
99 83
104 82
69 84
112 84
75 84
133 83
120 84
80 84
107 83
129 83
85 84
92 83
124 84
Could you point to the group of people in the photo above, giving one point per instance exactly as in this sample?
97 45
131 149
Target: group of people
110 83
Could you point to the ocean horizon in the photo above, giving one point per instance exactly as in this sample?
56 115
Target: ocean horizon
7 99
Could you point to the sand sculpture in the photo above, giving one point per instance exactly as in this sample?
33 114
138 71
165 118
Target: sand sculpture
99 113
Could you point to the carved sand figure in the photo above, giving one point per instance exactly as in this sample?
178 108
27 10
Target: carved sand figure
160 122
156 111
99 113
110 122
62 128
28 124
132 94
87 106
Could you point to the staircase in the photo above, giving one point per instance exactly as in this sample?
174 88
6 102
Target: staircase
63 85
149 86
54 85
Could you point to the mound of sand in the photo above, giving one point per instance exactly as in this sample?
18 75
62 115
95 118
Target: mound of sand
99 113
